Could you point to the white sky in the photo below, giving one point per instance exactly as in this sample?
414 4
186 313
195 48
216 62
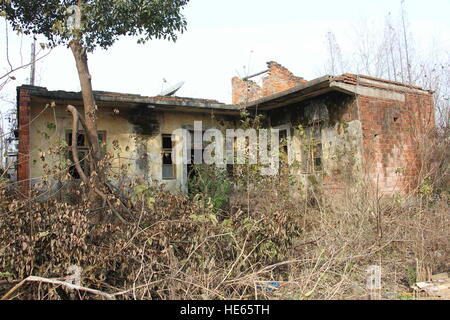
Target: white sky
228 38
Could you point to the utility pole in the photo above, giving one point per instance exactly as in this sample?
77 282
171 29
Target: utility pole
33 62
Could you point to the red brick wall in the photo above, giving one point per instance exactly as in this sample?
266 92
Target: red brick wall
23 171
244 91
278 79
391 138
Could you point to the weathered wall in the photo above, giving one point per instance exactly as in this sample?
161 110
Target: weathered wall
171 121
278 79
49 128
368 127
340 136
133 137
392 129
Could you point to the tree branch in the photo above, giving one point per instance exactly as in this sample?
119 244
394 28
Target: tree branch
76 160
58 282
77 117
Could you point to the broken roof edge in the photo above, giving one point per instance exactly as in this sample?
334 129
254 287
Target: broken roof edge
369 81
107 96
308 89
330 82
309 85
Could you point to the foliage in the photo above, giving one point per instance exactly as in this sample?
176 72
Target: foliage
211 183
176 247
103 21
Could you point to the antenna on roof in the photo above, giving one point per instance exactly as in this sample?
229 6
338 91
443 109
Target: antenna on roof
172 90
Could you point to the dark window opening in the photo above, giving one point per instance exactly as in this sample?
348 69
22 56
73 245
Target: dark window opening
283 150
168 167
84 164
191 172
317 156
233 158
312 150
167 142
81 141
284 141
83 151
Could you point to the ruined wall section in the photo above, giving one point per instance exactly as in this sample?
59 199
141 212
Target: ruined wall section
133 138
340 135
278 79
392 133
245 90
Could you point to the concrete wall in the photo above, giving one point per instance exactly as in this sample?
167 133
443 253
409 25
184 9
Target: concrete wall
367 131
135 146
340 136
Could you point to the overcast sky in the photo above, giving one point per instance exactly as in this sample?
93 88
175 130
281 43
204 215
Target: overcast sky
228 38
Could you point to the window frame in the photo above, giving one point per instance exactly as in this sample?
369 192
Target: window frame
169 151
314 149
81 149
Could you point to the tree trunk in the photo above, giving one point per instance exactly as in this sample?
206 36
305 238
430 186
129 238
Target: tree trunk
76 159
90 107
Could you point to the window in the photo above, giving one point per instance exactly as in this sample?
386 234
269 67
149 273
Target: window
312 149
168 167
233 150
83 151
283 143
200 150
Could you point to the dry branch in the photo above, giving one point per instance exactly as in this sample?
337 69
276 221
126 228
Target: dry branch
68 285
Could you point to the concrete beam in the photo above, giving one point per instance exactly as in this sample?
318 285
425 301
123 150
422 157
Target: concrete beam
368 91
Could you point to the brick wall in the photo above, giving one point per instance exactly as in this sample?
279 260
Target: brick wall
277 79
391 136
23 171
244 91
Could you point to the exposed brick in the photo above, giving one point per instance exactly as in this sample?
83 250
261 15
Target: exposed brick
278 79
395 147
23 171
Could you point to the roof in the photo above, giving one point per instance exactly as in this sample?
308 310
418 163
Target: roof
347 83
133 99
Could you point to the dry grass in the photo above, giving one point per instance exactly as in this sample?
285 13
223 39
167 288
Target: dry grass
175 247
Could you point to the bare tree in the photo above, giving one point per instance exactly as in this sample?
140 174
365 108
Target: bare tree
15 63
335 63
408 62
8 75
393 56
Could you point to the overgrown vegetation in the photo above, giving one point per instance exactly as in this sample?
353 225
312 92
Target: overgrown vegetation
238 235
228 241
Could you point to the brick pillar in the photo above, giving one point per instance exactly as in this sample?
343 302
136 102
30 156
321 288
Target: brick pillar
279 79
23 171
244 90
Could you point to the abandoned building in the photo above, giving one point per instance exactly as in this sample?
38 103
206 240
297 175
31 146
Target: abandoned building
359 127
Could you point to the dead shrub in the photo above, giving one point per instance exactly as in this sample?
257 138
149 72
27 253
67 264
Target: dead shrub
270 241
